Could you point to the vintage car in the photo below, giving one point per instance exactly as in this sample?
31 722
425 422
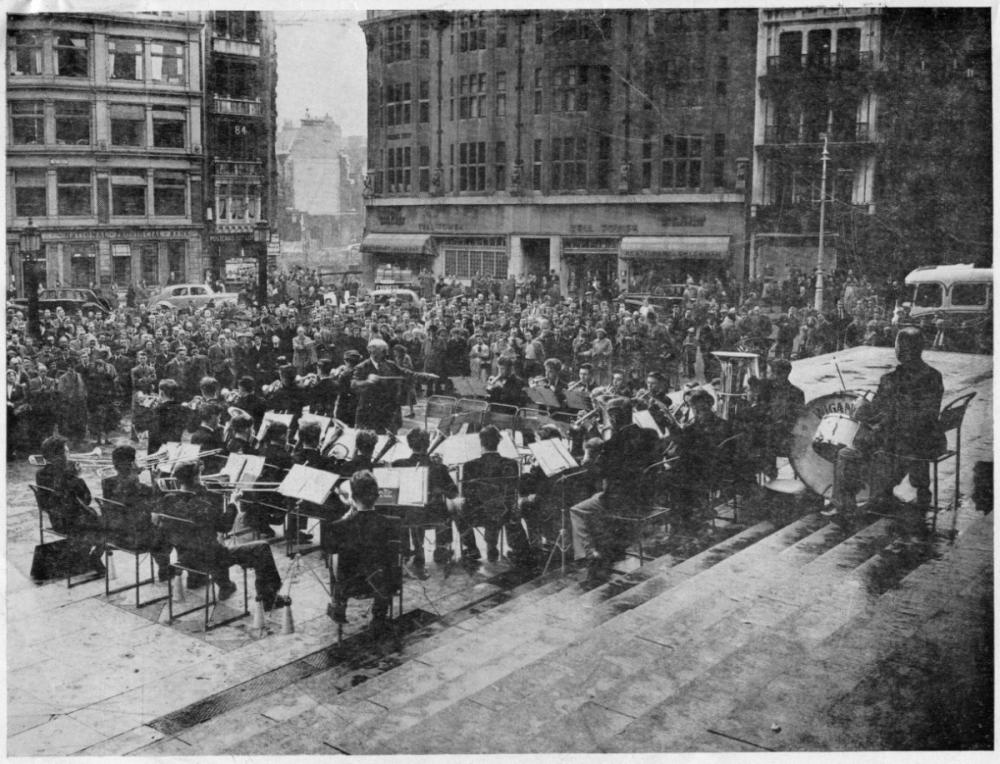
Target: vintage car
70 299
190 297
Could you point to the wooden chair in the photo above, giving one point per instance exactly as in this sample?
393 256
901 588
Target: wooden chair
117 518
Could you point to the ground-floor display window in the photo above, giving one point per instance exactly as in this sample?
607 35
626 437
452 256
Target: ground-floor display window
591 263
83 264
121 264
479 256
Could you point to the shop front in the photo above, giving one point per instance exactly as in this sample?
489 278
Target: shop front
591 244
656 264
115 257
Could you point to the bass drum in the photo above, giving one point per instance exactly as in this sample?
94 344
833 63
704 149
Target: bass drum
815 470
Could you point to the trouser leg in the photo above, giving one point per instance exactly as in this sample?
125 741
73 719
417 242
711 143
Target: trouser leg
580 519
257 555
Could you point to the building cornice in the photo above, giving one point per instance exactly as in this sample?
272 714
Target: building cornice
550 201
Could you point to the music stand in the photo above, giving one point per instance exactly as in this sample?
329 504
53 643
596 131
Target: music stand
306 484
542 396
575 399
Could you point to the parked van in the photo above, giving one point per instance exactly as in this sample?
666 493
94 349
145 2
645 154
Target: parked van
952 290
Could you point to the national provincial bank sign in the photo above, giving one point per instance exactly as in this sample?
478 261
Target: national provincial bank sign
585 219
119 233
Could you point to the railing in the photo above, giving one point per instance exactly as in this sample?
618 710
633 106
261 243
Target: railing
236 47
859 132
843 61
239 169
245 106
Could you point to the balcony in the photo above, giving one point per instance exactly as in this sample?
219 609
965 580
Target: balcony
236 47
242 170
859 132
820 63
247 107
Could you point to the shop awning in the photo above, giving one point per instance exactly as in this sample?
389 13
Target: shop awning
398 244
675 248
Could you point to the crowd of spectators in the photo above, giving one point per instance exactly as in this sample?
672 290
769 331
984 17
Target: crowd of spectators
79 372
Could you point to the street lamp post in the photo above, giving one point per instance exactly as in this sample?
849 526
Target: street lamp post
260 236
822 225
744 174
30 244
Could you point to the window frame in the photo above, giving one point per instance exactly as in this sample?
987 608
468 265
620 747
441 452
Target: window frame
15 47
73 112
59 50
37 204
35 116
138 59
116 122
169 187
120 204
179 77
74 188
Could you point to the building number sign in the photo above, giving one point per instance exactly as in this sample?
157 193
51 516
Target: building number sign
240 129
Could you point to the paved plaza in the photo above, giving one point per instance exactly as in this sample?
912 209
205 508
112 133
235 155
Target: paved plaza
769 634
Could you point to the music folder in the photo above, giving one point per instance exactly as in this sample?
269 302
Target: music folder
401 486
552 456
308 484
272 417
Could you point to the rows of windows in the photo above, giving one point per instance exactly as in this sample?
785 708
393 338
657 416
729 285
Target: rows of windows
397 42
130 192
475 257
237 201
398 104
472 32
71 123
472 96
237 25
674 162
128 59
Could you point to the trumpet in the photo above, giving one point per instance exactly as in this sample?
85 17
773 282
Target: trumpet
645 396
89 459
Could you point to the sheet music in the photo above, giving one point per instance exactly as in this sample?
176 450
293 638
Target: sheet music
308 484
543 397
252 467
233 467
552 456
645 419
273 417
405 486
462 448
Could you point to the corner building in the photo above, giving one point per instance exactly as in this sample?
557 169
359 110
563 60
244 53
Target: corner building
607 146
104 146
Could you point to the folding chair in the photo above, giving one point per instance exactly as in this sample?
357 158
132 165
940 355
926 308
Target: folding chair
178 531
117 519
651 490
44 499
439 406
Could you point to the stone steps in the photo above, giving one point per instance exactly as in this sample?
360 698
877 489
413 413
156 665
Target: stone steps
617 670
575 619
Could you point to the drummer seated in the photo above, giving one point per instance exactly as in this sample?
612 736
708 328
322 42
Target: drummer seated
753 421
201 549
138 532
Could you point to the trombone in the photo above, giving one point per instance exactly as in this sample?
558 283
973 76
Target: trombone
163 459
93 459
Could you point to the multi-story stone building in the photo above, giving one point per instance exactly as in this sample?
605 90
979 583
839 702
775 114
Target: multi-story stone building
241 171
607 146
104 145
113 131
902 97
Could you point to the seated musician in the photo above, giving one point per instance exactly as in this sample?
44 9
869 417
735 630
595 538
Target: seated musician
440 488
618 387
169 417
489 502
125 488
696 447
364 451
239 436
366 543
553 380
68 504
535 505
200 547
618 463
264 509
902 433
584 382
506 387
653 397
753 421
248 400
208 436
308 455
